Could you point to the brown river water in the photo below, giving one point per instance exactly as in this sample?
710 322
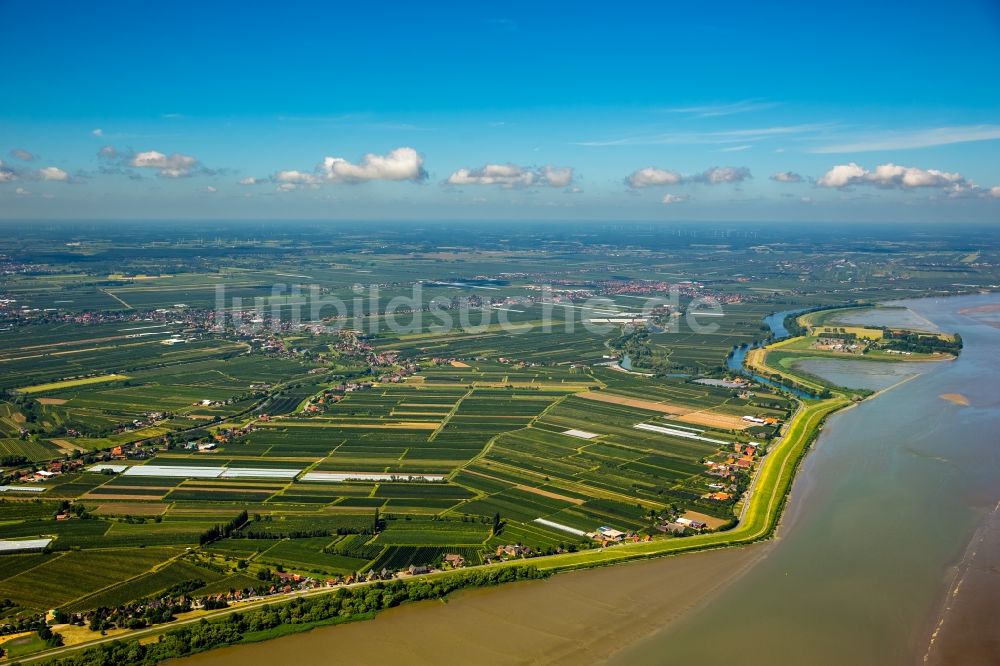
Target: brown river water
889 553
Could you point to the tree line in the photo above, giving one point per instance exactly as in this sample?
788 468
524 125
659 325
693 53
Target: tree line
344 604
216 532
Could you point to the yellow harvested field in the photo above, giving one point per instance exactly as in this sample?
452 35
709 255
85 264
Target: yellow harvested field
550 495
715 420
65 446
627 401
75 635
755 358
51 401
70 383
679 412
860 331
459 364
711 521
14 637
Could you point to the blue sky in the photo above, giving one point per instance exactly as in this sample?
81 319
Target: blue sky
660 111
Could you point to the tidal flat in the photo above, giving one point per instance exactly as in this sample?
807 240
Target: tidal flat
578 617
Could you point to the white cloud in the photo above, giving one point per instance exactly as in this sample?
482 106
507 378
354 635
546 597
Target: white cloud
786 177
210 190
294 177
892 176
21 192
674 199
995 191
250 180
400 164
512 175
557 176
97 131
53 173
22 154
6 174
842 175
720 175
651 176
403 163
168 166
505 175
922 138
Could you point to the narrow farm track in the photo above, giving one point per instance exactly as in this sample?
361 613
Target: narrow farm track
108 293
451 413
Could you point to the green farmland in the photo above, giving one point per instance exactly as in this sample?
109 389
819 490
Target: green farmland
170 433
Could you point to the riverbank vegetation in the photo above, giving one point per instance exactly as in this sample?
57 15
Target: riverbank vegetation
300 614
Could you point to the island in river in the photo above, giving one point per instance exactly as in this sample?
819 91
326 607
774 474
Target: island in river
887 553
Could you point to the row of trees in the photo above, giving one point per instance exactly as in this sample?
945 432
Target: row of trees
921 344
216 532
344 604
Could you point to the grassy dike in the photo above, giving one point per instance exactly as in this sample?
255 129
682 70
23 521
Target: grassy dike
773 483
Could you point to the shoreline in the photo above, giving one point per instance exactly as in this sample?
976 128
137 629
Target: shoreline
939 620
584 616
682 636
945 637
701 602
760 527
774 472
